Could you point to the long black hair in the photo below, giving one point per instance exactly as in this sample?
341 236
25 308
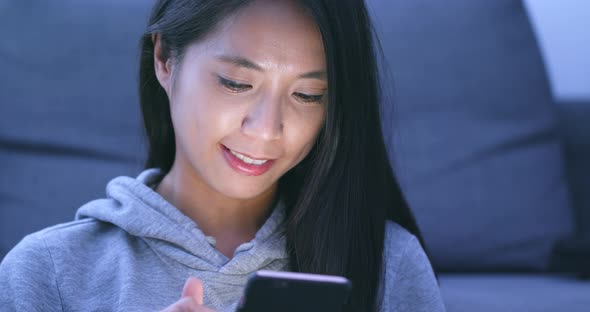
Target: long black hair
339 197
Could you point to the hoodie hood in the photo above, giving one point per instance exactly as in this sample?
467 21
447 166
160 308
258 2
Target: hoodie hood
133 206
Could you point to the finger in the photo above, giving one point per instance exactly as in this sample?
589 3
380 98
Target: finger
193 288
186 304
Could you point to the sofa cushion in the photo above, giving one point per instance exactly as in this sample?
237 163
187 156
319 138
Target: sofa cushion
70 114
574 117
573 253
472 132
514 293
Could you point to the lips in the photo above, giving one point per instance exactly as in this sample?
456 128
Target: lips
245 164
249 160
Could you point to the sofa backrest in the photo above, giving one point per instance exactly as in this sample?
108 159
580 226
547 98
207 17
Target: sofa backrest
70 115
473 132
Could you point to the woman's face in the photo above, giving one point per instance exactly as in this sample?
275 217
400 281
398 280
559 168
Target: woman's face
248 101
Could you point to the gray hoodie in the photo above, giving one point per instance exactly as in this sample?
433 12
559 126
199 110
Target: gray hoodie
133 251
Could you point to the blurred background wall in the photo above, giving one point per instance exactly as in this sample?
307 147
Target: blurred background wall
563 31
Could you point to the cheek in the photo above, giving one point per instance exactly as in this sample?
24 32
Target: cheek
304 134
202 117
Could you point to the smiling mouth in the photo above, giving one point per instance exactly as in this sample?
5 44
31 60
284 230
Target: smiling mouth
248 160
246 165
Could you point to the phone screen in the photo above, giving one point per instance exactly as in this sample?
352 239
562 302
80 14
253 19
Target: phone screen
288 291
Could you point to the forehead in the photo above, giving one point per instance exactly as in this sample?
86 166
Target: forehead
271 33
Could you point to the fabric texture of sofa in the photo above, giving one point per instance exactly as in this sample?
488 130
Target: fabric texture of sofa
495 171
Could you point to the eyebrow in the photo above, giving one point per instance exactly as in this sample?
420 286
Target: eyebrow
246 63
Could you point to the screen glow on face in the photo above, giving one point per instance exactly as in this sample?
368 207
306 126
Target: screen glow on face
249 101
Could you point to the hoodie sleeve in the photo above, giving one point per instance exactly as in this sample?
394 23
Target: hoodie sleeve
27 278
412 283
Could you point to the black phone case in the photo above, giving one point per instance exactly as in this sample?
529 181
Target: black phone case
264 294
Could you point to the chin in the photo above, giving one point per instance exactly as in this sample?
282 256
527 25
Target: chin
242 191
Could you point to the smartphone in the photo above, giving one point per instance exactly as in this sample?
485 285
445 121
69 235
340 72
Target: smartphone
289 291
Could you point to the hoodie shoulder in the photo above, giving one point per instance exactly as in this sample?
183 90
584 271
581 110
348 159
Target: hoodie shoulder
82 241
28 274
68 242
75 235
410 283
61 267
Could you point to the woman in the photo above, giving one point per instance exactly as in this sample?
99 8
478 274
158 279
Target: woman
265 153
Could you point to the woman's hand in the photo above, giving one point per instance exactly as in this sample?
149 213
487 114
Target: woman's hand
191 299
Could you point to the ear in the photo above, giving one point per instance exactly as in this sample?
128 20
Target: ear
162 64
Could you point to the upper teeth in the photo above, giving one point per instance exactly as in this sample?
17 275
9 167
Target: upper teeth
247 159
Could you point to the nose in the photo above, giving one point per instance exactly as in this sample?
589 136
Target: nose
264 121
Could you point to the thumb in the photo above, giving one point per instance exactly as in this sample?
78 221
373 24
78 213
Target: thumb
193 288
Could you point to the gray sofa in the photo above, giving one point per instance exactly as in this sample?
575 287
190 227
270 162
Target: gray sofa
496 172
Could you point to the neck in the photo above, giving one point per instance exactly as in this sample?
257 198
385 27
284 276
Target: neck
231 221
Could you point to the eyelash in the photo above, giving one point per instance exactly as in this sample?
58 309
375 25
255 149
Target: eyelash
309 98
239 87
233 86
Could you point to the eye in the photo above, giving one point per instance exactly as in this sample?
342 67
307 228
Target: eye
307 98
233 86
